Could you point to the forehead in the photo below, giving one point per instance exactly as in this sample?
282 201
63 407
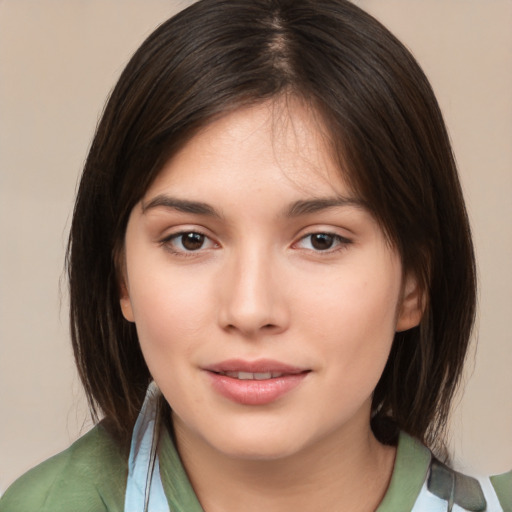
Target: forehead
279 142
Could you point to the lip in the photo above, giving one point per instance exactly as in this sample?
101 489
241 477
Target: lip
255 392
257 366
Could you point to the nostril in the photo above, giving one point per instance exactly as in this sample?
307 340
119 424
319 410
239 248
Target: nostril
250 330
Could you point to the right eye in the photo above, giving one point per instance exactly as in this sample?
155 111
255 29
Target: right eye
188 242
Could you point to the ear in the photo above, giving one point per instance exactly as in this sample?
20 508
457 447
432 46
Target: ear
125 302
124 293
412 305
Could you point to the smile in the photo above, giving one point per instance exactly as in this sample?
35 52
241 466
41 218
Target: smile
254 383
252 376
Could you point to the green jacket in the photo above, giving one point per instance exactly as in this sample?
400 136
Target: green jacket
90 476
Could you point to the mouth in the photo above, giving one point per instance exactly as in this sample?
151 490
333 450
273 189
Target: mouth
255 383
252 376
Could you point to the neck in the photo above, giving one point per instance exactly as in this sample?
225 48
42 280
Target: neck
350 472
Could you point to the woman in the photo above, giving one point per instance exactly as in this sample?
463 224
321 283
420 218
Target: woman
270 234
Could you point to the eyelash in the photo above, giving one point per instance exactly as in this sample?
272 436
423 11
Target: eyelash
168 243
338 243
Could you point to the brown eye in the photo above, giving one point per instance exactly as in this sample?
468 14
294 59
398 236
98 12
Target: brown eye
322 241
187 242
192 241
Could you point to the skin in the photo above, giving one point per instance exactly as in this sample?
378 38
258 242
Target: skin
257 286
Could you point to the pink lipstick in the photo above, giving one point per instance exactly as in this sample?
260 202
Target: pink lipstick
254 382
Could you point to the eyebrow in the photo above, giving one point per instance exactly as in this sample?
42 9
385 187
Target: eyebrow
181 205
318 204
296 209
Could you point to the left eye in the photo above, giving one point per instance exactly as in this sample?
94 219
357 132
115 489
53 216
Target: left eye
322 241
189 241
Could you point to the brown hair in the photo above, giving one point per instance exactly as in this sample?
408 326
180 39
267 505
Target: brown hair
386 128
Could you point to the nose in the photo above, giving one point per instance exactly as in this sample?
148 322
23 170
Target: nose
252 299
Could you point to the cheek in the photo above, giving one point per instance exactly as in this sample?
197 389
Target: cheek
169 311
352 302
352 316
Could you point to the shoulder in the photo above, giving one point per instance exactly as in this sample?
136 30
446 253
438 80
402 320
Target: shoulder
422 483
471 494
89 476
502 485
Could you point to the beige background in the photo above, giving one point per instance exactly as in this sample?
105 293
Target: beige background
59 59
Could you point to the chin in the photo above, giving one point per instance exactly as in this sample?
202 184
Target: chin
260 441
259 449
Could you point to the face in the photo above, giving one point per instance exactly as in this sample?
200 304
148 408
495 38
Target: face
264 294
